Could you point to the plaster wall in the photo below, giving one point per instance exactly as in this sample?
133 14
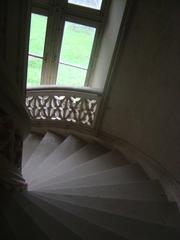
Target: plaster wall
17 28
12 38
98 78
144 99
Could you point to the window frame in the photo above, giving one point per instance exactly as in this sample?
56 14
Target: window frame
58 12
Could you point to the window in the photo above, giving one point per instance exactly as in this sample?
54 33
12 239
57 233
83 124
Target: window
36 48
96 4
75 54
64 36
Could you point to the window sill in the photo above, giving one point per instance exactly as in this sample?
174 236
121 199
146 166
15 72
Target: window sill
64 88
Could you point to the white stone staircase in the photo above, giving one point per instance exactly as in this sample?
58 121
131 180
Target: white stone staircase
79 190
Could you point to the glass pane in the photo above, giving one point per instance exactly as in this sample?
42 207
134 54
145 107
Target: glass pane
71 76
96 4
34 71
37 34
76 49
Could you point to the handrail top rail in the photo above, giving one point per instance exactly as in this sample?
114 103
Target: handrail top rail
87 90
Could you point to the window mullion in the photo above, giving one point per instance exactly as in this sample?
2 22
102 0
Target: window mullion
47 58
58 34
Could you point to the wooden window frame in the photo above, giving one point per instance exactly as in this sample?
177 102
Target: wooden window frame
58 12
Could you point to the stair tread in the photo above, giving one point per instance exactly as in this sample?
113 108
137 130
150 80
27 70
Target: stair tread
29 145
87 153
83 228
124 174
49 142
22 226
165 213
50 226
70 145
86 191
103 162
123 226
5 232
149 190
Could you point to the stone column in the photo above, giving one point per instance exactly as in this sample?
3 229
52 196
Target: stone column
10 156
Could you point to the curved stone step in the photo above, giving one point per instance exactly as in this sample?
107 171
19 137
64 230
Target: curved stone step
124 174
85 154
48 144
21 224
164 213
70 145
106 161
29 145
89 192
129 228
149 190
49 225
40 210
5 232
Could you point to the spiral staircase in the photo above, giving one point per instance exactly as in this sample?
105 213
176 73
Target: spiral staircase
77 188
83 190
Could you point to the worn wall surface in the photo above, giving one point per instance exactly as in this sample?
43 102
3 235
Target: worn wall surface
106 48
17 24
144 102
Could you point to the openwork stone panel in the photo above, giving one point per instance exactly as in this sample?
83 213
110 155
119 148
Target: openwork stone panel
78 109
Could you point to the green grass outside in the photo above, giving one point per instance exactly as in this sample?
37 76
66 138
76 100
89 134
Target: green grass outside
76 48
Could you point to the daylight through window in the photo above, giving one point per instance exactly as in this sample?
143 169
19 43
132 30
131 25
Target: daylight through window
63 42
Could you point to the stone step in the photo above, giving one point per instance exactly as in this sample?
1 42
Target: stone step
49 225
85 154
164 213
48 144
126 227
103 162
149 190
29 145
5 232
83 228
86 191
21 224
70 145
124 174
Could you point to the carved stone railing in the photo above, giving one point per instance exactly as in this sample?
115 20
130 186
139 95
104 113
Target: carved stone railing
64 105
